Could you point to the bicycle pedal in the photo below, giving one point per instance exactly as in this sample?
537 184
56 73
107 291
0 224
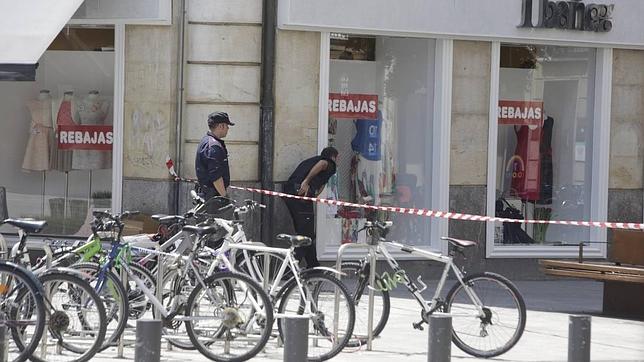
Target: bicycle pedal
418 326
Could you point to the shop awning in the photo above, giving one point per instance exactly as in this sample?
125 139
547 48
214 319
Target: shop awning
26 30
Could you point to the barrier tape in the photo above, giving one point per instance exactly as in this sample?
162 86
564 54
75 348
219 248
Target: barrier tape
425 212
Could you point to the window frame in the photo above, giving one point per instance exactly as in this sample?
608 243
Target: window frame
600 162
443 62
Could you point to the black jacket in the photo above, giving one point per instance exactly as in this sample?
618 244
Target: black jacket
211 161
318 181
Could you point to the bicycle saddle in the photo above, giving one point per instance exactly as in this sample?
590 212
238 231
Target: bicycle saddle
30 226
170 219
201 230
460 242
295 240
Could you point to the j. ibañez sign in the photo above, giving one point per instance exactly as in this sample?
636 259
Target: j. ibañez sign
572 15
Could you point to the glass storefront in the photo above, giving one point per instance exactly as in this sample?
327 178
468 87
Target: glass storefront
381 95
545 142
58 144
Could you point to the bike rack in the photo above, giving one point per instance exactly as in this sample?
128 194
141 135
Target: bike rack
121 345
372 256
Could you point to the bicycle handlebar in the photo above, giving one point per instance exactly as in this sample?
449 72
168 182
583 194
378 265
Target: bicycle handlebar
98 224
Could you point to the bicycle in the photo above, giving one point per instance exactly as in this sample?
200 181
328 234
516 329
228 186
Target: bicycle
75 314
121 301
22 309
240 310
312 292
476 318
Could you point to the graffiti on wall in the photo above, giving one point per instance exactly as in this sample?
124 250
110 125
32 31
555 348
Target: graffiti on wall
145 146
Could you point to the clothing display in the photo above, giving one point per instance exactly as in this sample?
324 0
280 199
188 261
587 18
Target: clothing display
367 165
525 164
368 176
545 150
37 151
367 139
66 115
92 110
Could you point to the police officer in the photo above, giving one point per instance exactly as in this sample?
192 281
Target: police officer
309 179
211 161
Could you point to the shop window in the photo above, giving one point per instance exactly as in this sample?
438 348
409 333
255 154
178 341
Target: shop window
544 143
348 47
58 139
380 120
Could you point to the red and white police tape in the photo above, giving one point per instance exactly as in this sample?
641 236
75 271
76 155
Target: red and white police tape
424 212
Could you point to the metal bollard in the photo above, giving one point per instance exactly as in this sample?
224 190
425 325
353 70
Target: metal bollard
4 342
439 347
120 347
148 340
579 338
296 338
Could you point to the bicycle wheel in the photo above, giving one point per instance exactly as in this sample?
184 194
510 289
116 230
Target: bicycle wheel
326 339
231 320
504 315
114 299
23 309
356 280
175 292
76 319
137 300
264 268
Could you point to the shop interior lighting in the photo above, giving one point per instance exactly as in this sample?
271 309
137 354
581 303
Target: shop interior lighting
339 36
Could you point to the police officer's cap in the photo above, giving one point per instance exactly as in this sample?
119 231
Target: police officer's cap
218 117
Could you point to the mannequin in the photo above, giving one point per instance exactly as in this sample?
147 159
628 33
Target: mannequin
92 110
37 151
61 160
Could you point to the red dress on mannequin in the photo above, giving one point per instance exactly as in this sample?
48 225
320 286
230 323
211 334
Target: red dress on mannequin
525 164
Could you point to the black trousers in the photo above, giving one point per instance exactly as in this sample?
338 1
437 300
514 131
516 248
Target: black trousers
213 206
304 222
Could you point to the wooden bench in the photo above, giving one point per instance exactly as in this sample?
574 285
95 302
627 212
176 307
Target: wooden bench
622 274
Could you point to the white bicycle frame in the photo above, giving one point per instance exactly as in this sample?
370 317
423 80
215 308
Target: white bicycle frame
189 261
449 264
287 262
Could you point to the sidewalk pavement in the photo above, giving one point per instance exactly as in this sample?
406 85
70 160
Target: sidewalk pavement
545 338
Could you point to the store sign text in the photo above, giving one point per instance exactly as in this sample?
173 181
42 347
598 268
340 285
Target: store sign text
98 138
520 113
572 15
363 106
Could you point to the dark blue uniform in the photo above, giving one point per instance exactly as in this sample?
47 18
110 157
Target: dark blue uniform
211 163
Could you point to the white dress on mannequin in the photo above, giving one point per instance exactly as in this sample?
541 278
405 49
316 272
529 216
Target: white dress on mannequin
93 110
37 151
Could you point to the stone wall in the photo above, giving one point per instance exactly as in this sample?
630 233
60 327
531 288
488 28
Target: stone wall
222 73
627 120
297 74
470 109
149 124
150 100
